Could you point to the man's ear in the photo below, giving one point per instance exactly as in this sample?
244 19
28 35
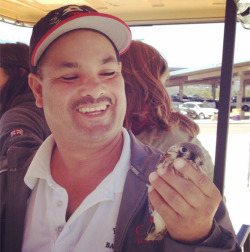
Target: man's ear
36 87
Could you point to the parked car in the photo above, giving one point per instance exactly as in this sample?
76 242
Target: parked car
187 111
245 105
201 109
176 97
195 97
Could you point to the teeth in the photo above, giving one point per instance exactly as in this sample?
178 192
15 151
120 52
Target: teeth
86 110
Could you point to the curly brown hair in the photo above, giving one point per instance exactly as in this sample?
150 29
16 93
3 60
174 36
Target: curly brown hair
147 98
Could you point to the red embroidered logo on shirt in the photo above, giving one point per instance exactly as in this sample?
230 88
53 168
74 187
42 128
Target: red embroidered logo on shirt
16 132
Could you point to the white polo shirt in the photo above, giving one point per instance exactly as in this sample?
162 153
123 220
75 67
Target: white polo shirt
91 227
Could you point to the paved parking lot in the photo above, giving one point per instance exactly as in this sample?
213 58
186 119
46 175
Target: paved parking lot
237 190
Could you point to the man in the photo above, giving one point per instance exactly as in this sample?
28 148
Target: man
87 181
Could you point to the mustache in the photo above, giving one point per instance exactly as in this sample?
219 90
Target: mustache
91 100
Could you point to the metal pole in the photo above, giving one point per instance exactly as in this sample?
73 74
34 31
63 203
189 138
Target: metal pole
225 93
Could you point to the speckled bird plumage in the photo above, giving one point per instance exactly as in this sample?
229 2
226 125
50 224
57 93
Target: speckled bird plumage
193 154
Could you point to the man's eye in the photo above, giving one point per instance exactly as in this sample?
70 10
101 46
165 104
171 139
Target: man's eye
108 73
69 78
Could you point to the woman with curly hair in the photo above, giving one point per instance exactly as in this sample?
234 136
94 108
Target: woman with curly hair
149 114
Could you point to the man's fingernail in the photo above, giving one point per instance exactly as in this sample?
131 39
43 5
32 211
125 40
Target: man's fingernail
150 188
161 171
179 163
153 176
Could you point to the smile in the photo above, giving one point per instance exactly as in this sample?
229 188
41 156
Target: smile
93 109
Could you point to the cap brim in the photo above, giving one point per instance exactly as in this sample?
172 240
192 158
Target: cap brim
114 28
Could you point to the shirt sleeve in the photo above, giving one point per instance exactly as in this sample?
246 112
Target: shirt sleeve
22 127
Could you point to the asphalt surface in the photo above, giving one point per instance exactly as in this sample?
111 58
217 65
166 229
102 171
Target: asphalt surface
235 127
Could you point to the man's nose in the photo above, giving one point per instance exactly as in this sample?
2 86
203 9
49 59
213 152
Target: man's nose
92 87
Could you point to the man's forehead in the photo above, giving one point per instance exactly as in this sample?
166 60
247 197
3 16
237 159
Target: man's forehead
76 64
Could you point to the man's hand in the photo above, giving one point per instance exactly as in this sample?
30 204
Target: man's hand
187 206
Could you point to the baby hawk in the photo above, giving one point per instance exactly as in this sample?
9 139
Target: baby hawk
193 154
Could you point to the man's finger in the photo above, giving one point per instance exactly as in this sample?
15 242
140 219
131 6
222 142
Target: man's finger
185 187
197 177
168 196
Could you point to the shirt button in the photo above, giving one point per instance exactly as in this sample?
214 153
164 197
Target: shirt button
60 229
59 203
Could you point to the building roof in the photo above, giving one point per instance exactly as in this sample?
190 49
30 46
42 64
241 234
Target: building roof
207 75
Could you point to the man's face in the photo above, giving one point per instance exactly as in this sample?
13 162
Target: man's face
81 88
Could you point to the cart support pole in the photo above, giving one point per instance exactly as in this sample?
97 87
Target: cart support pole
225 93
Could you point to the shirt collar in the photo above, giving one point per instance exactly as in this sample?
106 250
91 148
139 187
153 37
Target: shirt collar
40 165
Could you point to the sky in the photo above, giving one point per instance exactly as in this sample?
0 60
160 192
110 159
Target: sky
183 46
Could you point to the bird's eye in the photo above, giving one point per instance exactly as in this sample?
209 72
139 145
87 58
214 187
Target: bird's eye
183 149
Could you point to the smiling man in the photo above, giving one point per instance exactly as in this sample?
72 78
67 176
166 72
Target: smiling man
86 186
83 87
